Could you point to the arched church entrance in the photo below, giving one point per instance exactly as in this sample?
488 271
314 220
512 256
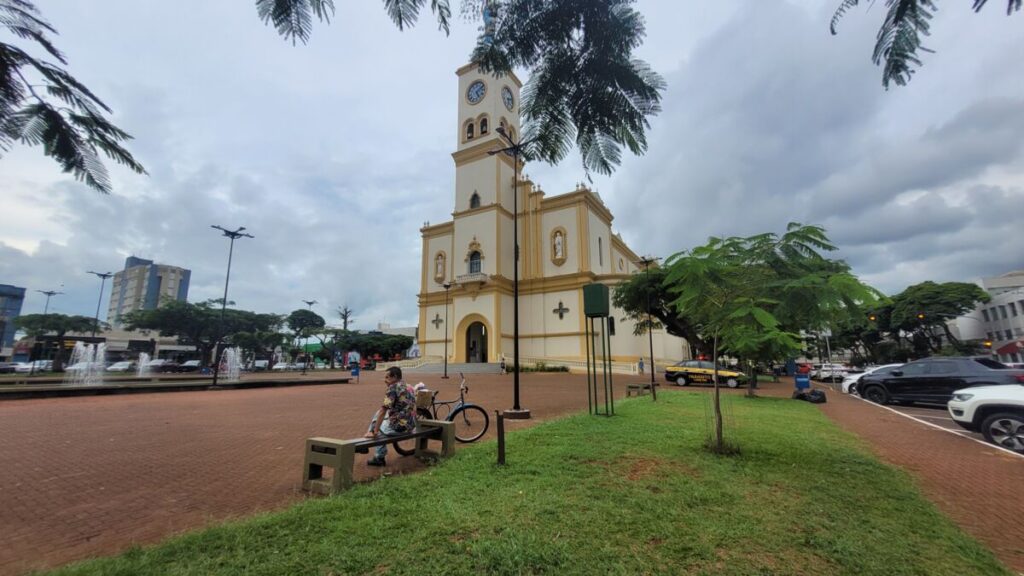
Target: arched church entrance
476 342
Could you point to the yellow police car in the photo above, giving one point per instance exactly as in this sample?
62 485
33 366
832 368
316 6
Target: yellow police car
702 372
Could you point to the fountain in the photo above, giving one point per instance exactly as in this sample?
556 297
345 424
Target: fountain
232 363
91 374
143 370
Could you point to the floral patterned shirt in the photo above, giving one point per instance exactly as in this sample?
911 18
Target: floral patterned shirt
400 403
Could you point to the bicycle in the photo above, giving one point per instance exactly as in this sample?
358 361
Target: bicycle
471 421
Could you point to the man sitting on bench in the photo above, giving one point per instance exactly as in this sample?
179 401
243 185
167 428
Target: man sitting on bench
396 416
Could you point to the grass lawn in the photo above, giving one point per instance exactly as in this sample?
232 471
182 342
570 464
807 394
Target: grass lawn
632 494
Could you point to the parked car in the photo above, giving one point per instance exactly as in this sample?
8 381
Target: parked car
286 366
995 411
189 366
161 365
829 372
35 366
8 367
260 365
933 380
852 380
702 372
83 366
122 366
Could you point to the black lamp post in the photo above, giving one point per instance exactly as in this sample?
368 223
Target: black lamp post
51 293
514 149
103 280
233 235
447 286
647 261
305 347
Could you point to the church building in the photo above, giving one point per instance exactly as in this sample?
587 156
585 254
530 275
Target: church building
566 242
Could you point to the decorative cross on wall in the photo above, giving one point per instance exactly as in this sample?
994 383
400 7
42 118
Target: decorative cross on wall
436 321
561 310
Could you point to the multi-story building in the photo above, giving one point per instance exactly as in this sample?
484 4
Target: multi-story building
11 299
143 285
466 299
1001 320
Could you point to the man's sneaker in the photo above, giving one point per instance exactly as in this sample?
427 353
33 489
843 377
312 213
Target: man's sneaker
375 462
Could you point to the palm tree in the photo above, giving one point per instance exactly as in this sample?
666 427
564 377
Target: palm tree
42 104
899 38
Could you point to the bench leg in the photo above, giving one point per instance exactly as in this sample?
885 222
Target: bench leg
447 437
338 455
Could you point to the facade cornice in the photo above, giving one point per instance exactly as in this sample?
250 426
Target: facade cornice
474 66
436 230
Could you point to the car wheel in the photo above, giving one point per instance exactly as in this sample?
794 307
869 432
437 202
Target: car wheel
681 381
852 389
876 394
1005 429
732 383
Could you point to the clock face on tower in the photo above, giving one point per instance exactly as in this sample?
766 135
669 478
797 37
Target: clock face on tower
506 97
476 91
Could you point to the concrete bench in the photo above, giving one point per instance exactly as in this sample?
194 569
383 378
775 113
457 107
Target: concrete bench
638 389
339 455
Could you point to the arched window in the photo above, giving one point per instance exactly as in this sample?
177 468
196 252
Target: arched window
469 131
474 263
600 252
474 200
483 126
512 134
502 125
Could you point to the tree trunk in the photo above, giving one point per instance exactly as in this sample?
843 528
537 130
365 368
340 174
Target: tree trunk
719 442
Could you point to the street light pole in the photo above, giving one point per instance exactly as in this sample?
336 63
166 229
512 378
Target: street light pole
233 235
447 286
305 347
103 280
49 294
647 261
514 149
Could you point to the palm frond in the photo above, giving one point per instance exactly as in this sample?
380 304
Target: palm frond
839 13
293 19
46 126
1011 5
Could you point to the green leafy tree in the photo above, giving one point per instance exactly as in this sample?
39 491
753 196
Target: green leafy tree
586 87
924 310
36 325
42 104
200 324
899 38
305 323
752 296
631 296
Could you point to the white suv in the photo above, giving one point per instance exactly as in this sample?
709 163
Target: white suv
995 411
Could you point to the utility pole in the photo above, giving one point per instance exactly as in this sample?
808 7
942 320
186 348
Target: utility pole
103 280
233 235
647 261
305 346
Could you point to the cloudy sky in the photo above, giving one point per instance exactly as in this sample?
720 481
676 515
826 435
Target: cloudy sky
334 154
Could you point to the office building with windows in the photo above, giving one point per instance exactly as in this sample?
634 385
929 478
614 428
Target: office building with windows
11 299
143 285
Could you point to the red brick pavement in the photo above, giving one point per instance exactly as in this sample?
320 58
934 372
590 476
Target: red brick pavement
978 486
91 476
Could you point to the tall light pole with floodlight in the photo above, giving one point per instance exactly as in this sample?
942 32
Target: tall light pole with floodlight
305 346
50 294
233 235
514 149
647 261
447 286
103 280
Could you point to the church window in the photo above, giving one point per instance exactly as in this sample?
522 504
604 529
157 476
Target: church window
483 126
474 200
469 131
600 252
474 263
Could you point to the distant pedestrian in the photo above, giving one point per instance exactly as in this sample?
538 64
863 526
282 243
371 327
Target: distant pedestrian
502 365
640 365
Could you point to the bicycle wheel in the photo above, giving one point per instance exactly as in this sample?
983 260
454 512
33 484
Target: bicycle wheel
408 447
471 423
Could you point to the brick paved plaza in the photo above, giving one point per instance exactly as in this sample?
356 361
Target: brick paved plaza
88 476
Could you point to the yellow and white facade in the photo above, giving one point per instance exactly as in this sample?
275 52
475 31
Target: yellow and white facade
566 242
